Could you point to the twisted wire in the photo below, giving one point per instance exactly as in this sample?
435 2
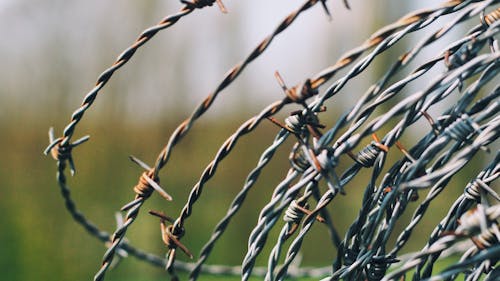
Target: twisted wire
268 217
450 169
293 216
207 174
361 255
474 256
358 114
184 127
230 76
408 23
236 204
254 229
155 260
471 192
63 143
121 60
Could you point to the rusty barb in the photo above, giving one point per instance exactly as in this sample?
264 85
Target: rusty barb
480 225
366 156
462 128
299 93
61 152
198 4
491 17
301 123
171 239
295 212
146 185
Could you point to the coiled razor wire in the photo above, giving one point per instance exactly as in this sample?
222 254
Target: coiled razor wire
468 126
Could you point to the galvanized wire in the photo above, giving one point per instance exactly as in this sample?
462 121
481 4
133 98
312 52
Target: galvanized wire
134 206
461 131
344 61
257 229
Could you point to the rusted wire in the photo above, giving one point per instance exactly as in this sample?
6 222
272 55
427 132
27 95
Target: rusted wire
465 128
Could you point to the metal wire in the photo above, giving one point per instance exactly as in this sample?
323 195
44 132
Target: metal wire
463 129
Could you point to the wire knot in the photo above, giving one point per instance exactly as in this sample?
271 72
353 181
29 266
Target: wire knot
491 18
199 4
473 190
462 128
298 159
298 122
366 157
293 213
377 267
171 236
478 217
143 188
322 162
61 150
301 92
148 182
295 123
480 224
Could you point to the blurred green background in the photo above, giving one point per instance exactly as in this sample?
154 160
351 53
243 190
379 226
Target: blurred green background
51 54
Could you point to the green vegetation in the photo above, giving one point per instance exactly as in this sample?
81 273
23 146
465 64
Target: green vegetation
41 242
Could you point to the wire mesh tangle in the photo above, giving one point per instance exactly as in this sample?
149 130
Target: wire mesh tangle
464 128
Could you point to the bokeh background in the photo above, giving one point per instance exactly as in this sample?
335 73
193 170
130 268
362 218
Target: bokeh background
51 53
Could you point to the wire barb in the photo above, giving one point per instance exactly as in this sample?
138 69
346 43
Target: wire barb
171 239
199 4
62 152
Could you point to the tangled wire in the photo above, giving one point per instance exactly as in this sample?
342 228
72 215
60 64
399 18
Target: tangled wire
463 128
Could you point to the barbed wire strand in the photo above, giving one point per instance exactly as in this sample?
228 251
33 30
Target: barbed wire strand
254 230
296 239
472 126
123 58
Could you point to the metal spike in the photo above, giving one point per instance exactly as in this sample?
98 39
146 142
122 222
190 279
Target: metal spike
158 188
140 163
323 3
80 141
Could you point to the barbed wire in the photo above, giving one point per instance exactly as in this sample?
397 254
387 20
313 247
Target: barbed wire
454 138
259 229
149 179
342 63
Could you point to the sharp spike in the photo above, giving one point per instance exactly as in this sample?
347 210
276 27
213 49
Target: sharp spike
80 141
280 81
140 163
221 6
158 188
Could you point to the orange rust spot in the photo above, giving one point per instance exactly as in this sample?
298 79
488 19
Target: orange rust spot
207 101
318 82
374 41
411 19
403 57
344 61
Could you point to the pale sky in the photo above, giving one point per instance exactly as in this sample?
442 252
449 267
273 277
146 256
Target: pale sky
58 48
